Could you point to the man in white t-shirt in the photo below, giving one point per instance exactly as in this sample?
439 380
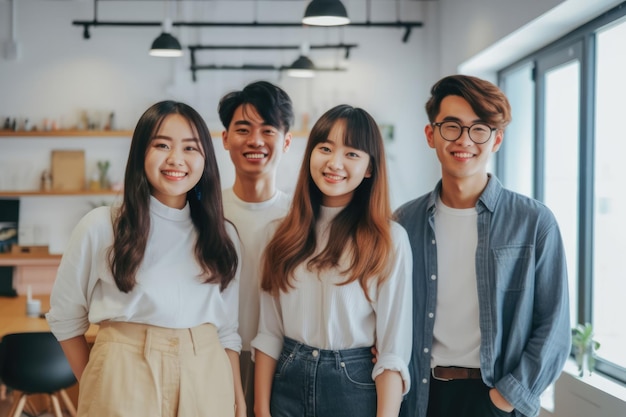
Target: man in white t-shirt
256 120
491 324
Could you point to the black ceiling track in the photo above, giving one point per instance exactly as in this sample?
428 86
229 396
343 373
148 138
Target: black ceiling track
88 24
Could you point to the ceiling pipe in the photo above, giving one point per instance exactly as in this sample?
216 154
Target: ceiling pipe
346 46
195 66
88 24
250 67
11 47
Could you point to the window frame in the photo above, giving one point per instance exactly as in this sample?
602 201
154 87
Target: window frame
585 35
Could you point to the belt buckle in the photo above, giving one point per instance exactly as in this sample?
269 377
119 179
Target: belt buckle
432 372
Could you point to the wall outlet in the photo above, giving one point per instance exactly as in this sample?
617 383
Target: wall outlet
11 50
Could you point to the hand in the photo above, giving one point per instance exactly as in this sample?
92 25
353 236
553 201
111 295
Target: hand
499 401
375 354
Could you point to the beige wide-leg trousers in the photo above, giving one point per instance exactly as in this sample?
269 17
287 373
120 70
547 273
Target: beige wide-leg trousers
141 370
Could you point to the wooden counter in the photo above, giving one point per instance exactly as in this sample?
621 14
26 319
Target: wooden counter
22 259
13 318
37 270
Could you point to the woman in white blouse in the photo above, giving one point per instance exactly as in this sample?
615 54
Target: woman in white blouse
159 274
336 282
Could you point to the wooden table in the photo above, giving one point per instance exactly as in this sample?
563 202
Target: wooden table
13 318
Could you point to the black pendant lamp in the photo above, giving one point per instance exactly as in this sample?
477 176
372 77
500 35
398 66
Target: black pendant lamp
325 13
165 44
302 67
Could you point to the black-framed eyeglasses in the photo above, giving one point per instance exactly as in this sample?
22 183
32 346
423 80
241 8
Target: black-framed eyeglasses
478 132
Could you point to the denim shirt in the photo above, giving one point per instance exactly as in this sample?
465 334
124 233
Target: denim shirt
521 275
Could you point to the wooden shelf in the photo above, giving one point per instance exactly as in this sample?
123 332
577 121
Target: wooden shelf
37 193
217 134
12 259
66 133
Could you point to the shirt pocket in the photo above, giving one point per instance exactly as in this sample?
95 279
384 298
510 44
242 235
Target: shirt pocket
514 266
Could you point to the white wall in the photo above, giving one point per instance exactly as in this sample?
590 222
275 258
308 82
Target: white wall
58 75
473 25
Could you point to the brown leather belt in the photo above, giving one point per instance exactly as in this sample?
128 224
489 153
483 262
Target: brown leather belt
448 373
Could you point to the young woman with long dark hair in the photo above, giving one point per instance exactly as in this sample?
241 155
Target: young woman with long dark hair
159 273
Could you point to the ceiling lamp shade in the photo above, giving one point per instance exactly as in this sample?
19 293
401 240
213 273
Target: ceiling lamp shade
166 45
325 13
301 68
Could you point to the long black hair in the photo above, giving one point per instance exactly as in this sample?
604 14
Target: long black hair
214 250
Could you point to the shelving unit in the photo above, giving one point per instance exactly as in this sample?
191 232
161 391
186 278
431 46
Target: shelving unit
37 193
65 133
58 134
215 134
48 217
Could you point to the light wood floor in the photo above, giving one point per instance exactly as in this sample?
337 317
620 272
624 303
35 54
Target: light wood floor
5 406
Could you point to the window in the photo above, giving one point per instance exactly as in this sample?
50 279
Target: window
518 150
575 118
559 76
609 223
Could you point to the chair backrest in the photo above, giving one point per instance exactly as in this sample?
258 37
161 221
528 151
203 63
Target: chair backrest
34 363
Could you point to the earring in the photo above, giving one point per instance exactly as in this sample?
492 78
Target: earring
198 192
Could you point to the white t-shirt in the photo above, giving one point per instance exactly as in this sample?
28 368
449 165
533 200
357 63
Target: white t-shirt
456 333
251 220
169 292
319 313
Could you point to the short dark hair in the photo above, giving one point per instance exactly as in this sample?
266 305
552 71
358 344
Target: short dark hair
487 100
271 102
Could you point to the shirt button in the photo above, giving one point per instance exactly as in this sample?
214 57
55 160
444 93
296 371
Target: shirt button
425 350
424 381
433 277
315 353
432 241
431 315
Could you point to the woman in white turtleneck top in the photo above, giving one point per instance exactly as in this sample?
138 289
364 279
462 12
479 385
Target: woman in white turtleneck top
336 282
160 275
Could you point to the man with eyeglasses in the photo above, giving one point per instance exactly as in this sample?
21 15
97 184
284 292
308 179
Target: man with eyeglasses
491 310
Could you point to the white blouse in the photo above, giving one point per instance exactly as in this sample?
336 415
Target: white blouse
322 314
170 291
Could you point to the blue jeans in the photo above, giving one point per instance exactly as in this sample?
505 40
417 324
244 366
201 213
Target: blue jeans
311 382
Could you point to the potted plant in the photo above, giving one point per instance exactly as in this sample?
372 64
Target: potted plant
103 168
584 347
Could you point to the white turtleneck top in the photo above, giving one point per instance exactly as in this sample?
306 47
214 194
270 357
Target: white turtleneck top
169 292
322 314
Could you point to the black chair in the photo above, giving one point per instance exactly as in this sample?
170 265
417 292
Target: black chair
34 363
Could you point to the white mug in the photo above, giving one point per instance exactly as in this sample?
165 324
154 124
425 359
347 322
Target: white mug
33 308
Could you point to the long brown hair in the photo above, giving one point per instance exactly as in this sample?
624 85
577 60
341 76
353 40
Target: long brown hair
362 228
214 250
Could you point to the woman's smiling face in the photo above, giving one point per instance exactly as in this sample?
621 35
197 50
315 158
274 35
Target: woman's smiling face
174 161
337 169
